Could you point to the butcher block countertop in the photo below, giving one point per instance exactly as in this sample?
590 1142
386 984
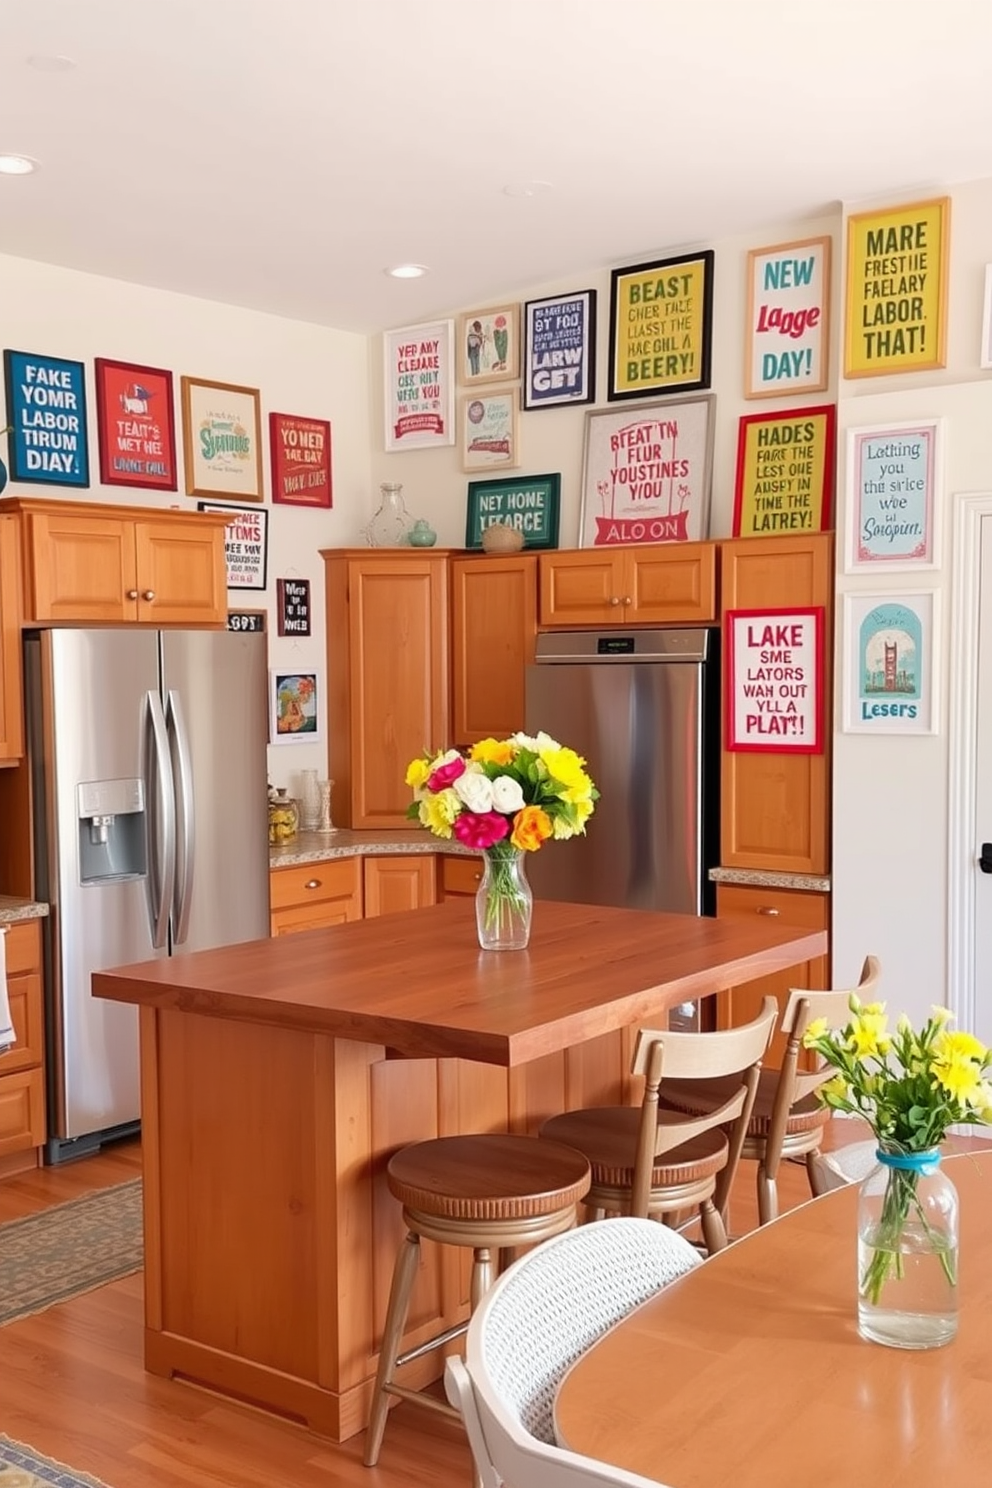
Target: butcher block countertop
417 983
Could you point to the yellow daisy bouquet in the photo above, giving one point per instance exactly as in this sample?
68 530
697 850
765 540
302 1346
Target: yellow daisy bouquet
503 796
910 1087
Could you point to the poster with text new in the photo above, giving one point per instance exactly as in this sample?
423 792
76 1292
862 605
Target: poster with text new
788 294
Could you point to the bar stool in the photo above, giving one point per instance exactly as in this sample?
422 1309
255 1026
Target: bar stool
490 1191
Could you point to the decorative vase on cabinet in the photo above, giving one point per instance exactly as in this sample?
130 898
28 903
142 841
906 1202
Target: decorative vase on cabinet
390 525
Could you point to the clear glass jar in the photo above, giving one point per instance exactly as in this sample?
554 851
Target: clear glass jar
503 900
390 526
309 801
908 1252
284 816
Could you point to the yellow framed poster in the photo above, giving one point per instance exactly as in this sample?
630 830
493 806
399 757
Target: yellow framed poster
785 472
895 316
661 323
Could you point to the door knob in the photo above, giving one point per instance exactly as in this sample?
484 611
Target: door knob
132 594
985 861
149 594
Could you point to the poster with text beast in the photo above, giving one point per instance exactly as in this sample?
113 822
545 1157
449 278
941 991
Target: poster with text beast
661 321
46 412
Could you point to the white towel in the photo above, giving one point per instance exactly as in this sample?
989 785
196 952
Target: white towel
6 1026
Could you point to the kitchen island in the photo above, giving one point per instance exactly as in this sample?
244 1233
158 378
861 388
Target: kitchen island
278 1076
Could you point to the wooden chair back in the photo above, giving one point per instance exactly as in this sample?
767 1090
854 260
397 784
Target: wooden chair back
698 1056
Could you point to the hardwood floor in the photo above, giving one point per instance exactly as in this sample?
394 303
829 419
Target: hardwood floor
73 1385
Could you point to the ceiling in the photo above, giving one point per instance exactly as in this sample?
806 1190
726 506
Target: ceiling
281 156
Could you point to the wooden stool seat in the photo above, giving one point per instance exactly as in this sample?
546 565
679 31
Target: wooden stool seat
608 1137
491 1191
807 1116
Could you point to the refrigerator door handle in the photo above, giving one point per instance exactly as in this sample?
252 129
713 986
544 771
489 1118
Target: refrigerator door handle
157 771
182 769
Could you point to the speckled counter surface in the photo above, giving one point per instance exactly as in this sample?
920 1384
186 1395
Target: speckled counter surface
318 847
760 879
12 910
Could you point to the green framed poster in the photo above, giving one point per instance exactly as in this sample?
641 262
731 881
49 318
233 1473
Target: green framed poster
527 502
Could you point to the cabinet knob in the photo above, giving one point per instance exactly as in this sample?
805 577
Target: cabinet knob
614 599
149 594
132 594
313 883
768 909
627 599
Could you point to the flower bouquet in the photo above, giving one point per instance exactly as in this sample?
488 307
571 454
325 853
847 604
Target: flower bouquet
504 797
910 1088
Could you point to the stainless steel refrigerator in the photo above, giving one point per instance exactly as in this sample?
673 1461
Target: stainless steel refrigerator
642 706
148 770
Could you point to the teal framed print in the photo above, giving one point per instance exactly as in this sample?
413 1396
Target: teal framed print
890 684
527 502
46 411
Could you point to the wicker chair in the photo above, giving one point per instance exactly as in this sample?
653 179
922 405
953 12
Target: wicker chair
546 1310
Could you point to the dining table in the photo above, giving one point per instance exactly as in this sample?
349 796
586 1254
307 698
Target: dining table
278 1076
750 1369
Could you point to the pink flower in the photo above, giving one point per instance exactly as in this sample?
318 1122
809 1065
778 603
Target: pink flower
446 774
480 829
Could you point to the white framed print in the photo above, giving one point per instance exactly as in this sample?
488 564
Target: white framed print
890 683
419 386
646 473
986 353
788 331
489 430
894 474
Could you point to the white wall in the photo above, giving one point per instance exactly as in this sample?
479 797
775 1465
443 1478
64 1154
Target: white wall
299 368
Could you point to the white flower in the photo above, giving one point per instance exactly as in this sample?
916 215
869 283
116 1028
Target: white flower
474 790
507 795
536 744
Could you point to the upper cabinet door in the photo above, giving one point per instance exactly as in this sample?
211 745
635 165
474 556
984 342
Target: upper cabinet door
80 569
493 626
182 573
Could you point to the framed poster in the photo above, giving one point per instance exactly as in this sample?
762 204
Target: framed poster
300 451
293 607
560 350
246 543
893 473
293 707
661 323
785 472
489 345
419 386
775 680
788 322
489 437
136 425
528 502
895 316
222 439
646 473
46 414
889 660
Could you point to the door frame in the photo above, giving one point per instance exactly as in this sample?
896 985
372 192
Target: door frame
970 509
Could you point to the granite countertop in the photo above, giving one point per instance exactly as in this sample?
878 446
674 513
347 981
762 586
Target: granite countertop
762 878
12 910
319 847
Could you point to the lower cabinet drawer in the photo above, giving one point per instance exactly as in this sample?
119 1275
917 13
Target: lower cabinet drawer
22 1111
459 875
310 896
27 1050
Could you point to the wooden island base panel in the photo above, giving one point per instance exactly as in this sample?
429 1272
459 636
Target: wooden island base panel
278 1076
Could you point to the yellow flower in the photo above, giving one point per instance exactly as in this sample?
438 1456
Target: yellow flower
565 766
834 1089
417 772
958 1077
959 1045
438 812
981 1100
531 827
867 1036
814 1030
492 752
940 1015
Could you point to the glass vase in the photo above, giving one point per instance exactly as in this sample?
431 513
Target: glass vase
908 1252
309 801
503 900
391 523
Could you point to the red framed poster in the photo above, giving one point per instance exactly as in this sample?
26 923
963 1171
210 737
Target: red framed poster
785 472
775 680
301 460
136 425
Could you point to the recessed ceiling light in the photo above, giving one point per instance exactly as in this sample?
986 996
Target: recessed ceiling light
48 62
407 271
17 165
528 188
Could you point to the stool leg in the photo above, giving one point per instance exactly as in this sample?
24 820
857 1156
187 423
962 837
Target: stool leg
482 1274
404 1273
714 1233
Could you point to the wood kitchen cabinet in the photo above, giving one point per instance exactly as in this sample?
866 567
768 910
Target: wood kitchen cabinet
458 876
775 805
387 675
11 710
311 896
661 584
85 564
397 882
493 628
804 909
22 1074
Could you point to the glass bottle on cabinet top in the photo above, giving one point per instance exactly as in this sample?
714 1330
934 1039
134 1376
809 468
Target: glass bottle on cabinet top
390 525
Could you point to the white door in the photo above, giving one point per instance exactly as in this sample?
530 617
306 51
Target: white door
983 797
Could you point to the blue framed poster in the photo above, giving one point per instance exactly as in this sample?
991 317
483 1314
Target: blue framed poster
560 350
893 485
46 409
890 685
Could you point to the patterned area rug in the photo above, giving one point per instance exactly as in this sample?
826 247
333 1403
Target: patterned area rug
56 1254
23 1467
